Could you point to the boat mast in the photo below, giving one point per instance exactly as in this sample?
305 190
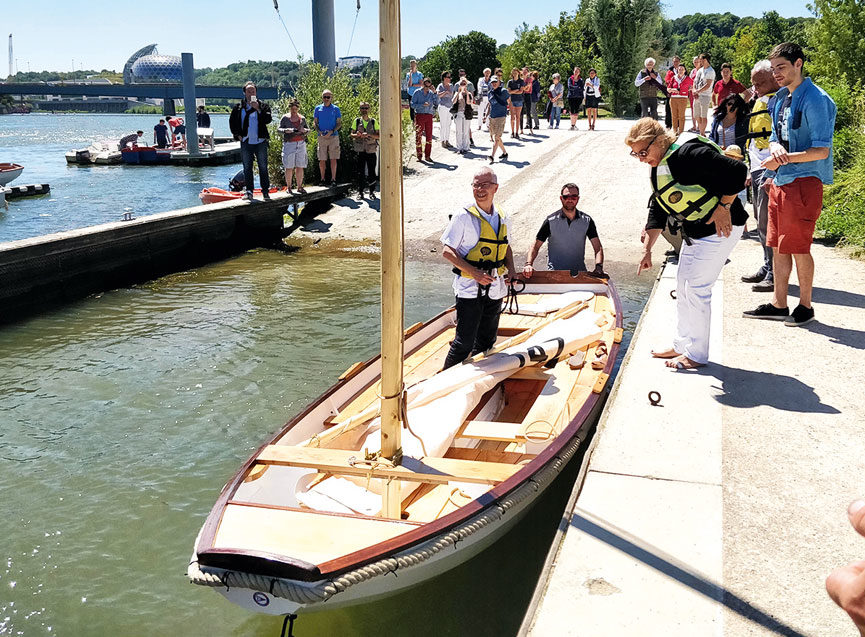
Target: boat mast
392 268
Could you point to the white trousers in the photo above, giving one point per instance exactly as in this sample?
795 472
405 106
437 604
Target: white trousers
445 122
463 132
699 266
482 108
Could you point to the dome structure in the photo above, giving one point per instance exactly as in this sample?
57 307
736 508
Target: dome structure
157 68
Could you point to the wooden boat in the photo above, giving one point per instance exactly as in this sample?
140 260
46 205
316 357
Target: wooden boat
270 547
217 195
400 472
9 172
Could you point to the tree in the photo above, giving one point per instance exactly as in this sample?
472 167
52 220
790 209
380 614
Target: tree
838 47
624 29
472 52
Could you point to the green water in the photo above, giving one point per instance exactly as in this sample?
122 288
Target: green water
122 416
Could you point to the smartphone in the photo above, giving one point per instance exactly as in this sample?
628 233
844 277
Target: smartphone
253 99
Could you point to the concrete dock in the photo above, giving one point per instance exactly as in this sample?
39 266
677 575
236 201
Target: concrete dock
721 510
58 268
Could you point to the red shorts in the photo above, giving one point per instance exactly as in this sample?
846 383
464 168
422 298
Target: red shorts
793 212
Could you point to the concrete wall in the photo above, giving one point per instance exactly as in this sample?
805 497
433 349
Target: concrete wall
53 269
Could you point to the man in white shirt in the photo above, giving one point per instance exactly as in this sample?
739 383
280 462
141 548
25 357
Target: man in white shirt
475 242
482 99
704 83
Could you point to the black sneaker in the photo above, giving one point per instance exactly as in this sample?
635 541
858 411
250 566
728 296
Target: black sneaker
758 276
768 311
766 285
801 316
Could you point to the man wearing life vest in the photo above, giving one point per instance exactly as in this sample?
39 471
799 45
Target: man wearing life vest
695 186
476 244
567 230
759 131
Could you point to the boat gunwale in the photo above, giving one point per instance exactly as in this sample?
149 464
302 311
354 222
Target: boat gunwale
288 567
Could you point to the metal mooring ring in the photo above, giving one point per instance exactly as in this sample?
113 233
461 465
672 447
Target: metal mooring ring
672 294
654 398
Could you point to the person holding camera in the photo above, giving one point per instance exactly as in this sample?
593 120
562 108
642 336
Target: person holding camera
294 154
462 114
248 124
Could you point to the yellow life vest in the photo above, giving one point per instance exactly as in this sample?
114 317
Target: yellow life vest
490 250
683 202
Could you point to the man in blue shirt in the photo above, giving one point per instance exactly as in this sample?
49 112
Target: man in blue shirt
327 120
248 124
803 121
424 102
414 82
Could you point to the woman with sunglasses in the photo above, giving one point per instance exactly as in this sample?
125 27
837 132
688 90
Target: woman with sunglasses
730 125
694 189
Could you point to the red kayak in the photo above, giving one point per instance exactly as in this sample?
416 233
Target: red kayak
215 195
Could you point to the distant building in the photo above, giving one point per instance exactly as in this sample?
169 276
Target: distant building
352 61
147 66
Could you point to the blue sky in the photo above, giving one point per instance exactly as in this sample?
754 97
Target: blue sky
97 34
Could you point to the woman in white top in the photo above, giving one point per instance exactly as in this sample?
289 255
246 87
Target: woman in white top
593 97
445 92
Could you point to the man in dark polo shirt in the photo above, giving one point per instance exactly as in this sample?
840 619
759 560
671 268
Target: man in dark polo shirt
567 230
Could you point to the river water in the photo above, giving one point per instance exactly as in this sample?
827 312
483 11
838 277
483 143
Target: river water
89 195
122 416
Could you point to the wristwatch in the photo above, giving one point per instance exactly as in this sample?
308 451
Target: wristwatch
726 205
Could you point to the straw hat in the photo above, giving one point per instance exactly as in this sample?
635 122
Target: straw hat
734 152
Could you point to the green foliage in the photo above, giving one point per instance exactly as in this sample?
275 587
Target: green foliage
282 74
472 52
144 109
624 29
348 93
556 48
837 44
843 216
718 48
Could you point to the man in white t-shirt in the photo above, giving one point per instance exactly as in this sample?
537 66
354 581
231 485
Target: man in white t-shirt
482 98
704 83
475 243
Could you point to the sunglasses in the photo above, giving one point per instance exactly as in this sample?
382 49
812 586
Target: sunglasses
484 185
569 196
364 108
326 97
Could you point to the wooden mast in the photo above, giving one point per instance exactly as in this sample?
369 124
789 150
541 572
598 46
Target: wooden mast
392 269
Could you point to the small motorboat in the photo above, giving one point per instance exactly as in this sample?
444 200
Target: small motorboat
97 153
9 172
216 195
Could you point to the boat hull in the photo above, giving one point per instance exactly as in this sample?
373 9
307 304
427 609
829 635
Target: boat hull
9 172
